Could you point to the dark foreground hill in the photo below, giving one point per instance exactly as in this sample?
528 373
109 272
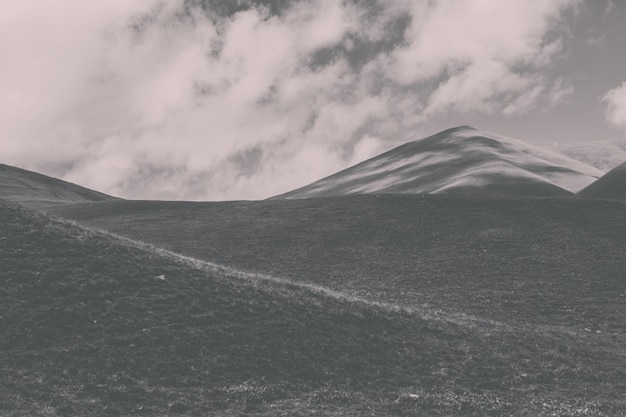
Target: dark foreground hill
39 190
459 161
611 186
92 325
550 261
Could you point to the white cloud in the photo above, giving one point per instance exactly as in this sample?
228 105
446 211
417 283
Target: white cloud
143 101
615 100
367 147
484 54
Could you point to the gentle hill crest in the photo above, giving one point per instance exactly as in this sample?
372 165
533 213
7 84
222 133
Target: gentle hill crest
459 161
38 190
611 186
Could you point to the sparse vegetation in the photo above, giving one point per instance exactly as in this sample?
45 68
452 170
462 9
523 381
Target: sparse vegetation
95 325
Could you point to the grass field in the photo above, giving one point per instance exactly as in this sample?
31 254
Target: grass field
526 297
95 325
532 261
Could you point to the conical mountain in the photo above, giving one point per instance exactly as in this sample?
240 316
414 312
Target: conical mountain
38 190
611 186
459 161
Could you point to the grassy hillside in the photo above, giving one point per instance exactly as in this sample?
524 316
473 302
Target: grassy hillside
92 325
537 261
38 190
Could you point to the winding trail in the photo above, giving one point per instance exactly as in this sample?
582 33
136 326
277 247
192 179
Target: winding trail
287 286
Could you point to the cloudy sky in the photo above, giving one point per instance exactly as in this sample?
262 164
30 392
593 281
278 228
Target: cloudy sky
245 99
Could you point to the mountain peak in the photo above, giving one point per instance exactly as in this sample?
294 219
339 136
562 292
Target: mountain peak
462 160
457 130
461 127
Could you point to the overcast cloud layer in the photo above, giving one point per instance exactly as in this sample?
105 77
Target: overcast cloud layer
170 100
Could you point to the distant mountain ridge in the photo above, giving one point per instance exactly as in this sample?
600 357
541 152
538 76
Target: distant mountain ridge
34 189
604 155
459 161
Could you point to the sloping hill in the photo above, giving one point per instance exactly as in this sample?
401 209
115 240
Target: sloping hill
611 186
38 190
462 160
519 260
93 325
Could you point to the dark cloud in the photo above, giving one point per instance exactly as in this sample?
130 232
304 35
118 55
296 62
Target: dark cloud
226 8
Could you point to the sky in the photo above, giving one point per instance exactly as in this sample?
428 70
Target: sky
246 99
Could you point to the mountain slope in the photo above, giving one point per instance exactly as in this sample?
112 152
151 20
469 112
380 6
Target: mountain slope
604 155
38 190
611 186
462 160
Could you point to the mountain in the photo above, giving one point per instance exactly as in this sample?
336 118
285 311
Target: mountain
604 155
38 190
611 186
461 161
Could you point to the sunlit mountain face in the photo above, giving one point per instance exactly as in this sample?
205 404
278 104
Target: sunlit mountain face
462 160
